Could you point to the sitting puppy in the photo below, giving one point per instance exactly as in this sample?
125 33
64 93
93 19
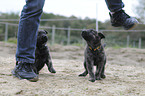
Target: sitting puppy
42 55
94 55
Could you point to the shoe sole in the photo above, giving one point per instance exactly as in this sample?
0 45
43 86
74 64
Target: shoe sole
135 24
35 79
126 28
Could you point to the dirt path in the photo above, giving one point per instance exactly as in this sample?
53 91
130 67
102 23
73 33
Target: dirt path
125 71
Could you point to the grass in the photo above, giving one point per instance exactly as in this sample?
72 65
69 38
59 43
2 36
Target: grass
115 46
12 40
77 44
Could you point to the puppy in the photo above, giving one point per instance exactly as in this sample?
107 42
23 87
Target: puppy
94 55
42 55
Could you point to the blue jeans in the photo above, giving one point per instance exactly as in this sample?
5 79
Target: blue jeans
114 5
27 30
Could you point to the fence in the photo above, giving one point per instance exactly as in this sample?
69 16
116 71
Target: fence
70 35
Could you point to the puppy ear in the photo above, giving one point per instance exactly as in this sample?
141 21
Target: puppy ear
101 35
46 32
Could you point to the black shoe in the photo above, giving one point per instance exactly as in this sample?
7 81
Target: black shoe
120 18
25 71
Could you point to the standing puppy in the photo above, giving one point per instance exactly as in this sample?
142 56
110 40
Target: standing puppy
94 55
42 55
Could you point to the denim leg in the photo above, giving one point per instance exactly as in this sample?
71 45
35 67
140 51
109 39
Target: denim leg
114 5
27 30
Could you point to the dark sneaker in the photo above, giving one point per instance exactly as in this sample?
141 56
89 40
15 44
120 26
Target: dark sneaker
120 18
25 71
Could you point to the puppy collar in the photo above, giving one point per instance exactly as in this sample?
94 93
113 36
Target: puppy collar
95 48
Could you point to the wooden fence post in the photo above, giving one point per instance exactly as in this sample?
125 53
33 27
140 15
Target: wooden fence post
83 41
68 36
6 32
133 44
53 34
128 37
139 44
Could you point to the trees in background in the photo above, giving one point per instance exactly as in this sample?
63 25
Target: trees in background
140 10
78 23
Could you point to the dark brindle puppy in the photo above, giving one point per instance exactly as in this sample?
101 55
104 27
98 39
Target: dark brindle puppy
94 55
42 55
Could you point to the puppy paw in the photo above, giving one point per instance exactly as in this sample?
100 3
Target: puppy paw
103 76
92 79
98 78
82 75
52 70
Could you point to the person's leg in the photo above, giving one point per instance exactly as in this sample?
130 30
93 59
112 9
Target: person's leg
27 37
114 5
118 16
27 30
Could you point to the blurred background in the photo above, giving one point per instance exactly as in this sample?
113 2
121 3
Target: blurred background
65 19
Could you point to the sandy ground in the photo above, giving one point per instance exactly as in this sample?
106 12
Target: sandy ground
125 71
